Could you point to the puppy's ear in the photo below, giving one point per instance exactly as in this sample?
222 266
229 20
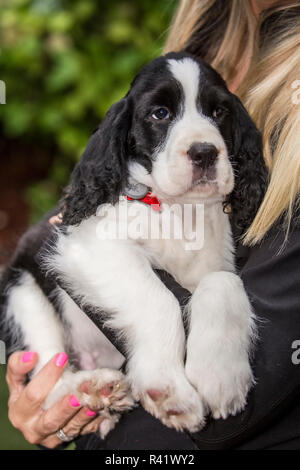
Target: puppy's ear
102 171
249 169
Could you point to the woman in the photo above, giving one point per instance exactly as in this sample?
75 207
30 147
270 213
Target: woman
255 45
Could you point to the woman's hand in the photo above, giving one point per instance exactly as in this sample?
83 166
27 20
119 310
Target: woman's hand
25 402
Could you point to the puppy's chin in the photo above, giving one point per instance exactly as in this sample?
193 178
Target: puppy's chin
213 182
194 189
192 193
204 189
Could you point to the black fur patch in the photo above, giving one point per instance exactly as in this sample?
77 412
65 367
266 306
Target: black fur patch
10 333
24 260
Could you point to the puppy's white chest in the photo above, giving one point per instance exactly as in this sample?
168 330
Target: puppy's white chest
192 243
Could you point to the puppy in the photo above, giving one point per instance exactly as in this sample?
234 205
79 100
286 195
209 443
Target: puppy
178 139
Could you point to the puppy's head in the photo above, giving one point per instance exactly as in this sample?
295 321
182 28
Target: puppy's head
178 131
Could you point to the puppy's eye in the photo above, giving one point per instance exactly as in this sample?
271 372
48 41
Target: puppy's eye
219 112
161 114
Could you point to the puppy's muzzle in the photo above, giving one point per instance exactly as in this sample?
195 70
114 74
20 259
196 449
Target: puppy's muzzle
204 157
203 154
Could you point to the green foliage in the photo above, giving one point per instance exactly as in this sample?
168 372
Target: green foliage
64 63
10 438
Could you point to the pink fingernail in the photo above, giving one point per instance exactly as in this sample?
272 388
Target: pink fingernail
61 359
28 356
90 413
74 402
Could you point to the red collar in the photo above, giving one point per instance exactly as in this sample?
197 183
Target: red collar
150 200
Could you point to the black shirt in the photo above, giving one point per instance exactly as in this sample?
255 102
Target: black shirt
271 420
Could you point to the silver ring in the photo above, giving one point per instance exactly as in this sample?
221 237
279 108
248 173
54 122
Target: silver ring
63 437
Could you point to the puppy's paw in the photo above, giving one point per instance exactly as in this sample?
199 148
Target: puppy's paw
100 389
172 400
222 388
108 423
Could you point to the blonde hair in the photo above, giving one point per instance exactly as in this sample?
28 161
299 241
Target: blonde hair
229 36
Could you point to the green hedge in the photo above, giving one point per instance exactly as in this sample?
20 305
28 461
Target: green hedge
64 63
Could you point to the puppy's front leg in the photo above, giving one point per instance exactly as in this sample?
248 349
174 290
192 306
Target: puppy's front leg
221 330
156 367
120 280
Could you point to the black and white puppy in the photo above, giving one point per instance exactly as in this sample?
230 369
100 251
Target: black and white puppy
184 137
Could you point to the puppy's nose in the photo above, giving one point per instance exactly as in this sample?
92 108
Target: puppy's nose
203 154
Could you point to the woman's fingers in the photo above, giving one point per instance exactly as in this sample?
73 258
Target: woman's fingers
19 365
79 421
57 416
51 442
39 387
25 411
93 425
25 402
71 427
